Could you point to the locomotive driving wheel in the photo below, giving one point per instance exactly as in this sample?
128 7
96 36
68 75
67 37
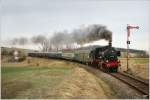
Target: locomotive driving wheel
115 69
108 69
100 66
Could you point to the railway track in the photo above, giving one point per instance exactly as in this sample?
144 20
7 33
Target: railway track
141 86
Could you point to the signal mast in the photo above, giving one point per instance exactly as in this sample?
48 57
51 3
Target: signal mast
128 41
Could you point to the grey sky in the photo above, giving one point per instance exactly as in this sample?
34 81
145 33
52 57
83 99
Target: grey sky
32 17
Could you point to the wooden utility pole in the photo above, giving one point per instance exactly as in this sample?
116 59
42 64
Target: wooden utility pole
128 41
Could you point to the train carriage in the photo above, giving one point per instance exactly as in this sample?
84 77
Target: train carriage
82 56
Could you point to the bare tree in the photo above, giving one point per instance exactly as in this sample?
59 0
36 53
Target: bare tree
56 40
44 42
46 46
38 39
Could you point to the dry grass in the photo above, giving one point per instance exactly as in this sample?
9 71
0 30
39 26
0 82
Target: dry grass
31 82
35 62
49 79
39 78
12 88
81 84
137 66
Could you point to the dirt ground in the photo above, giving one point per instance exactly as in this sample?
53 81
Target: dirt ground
38 78
137 66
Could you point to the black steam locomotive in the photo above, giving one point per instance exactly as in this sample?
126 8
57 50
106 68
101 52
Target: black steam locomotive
105 58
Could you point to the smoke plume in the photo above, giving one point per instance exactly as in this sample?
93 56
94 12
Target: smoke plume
80 36
92 33
65 39
19 41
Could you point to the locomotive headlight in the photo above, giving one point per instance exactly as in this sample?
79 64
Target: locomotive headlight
106 60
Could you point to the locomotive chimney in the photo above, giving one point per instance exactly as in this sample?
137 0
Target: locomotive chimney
110 43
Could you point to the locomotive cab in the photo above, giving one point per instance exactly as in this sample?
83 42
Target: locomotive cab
118 53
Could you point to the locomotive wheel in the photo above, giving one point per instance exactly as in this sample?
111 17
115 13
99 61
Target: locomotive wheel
107 70
87 63
111 70
100 66
115 70
97 66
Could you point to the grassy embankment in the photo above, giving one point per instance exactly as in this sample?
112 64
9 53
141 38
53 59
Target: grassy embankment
32 81
46 79
137 66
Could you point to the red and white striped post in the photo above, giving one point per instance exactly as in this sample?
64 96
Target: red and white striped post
128 41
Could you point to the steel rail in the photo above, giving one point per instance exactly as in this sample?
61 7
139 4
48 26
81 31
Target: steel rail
140 86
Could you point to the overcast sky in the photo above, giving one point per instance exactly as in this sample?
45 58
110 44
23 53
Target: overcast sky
33 17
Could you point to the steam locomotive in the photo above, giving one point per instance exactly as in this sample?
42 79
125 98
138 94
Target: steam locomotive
105 58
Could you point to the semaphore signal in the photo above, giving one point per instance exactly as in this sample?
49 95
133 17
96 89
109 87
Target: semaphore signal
128 41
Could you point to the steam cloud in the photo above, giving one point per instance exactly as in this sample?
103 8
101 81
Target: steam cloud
80 36
65 39
19 41
84 35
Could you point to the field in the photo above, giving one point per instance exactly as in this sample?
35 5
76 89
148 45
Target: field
137 66
38 78
22 82
43 78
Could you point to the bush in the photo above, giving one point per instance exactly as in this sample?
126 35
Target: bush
22 58
4 52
